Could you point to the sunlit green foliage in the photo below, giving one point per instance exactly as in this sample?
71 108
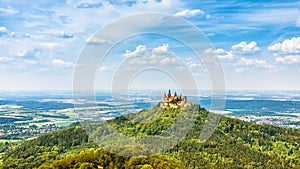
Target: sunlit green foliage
234 144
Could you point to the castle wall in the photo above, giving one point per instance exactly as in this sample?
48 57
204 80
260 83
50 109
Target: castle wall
181 101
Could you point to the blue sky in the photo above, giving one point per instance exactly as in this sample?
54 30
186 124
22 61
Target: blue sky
257 42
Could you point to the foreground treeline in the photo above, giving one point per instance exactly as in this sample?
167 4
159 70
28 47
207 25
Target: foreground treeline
234 144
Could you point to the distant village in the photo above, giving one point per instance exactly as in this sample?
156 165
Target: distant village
14 132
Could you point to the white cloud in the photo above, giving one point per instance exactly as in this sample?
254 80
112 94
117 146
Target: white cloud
154 59
254 62
288 46
167 60
5 32
5 59
89 5
61 63
97 41
158 55
221 53
245 62
65 35
246 48
21 53
161 49
29 54
3 29
289 59
139 51
236 50
8 10
192 64
189 13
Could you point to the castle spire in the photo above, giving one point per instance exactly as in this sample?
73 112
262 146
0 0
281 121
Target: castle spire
169 94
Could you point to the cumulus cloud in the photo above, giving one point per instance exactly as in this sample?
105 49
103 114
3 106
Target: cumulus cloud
20 53
248 65
245 47
289 59
158 55
166 60
97 41
161 49
65 35
90 5
3 30
221 53
192 64
29 54
254 62
4 59
189 13
237 49
139 51
288 46
61 63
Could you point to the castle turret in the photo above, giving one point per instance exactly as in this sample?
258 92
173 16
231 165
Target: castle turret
166 99
169 94
184 99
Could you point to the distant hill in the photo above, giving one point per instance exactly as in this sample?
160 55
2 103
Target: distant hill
234 144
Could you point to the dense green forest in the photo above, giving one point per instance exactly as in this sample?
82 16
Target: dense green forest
233 144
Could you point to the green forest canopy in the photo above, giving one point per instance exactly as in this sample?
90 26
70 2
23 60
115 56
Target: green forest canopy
234 144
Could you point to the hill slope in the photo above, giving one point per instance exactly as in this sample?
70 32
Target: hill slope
234 144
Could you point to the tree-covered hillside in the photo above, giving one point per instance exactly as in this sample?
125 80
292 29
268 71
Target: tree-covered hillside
234 144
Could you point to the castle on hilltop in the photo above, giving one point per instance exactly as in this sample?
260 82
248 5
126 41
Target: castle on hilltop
175 101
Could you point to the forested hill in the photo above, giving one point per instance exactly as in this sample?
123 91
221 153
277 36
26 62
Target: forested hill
234 144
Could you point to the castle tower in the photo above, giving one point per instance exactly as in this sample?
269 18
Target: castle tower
166 99
184 99
169 94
